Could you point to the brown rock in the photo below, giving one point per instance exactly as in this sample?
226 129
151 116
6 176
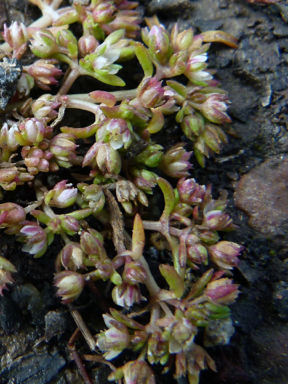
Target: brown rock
263 195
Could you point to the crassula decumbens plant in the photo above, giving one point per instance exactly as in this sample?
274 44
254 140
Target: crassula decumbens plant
121 164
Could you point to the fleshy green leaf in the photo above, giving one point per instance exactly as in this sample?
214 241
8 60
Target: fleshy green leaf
173 279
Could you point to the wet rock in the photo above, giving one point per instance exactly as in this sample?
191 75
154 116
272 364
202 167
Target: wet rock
158 6
17 344
33 368
270 349
281 30
10 72
263 195
10 316
55 324
280 300
28 298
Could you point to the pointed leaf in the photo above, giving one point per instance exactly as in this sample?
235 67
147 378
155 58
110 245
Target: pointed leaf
169 197
219 37
156 123
138 238
109 79
125 320
144 59
173 279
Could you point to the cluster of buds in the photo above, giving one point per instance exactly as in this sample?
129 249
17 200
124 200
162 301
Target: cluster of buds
44 73
175 162
17 37
173 334
201 109
122 156
103 17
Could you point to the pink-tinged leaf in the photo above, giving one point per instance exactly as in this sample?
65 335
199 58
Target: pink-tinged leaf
81 133
169 197
138 238
219 37
103 97
173 279
3 216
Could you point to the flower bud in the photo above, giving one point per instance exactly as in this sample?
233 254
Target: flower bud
93 194
134 273
214 137
217 220
70 285
62 195
126 191
137 371
63 148
14 214
69 224
208 237
87 45
114 339
16 35
34 238
24 85
103 13
196 253
193 125
66 39
225 254
7 137
36 160
71 256
158 42
45 106
222 291
175 162
181 41
139 339
31 132
104 268
190 192
150 156
43 43
150 92
91 242
125 295
157 349
144 179
104 157
44 73
214 108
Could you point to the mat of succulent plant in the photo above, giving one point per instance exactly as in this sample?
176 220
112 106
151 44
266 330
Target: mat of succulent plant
86 176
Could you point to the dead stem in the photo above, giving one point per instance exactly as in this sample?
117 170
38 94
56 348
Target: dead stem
83 328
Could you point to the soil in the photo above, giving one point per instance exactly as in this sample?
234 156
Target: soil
253 168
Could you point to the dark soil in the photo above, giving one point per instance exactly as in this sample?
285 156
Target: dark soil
35 327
